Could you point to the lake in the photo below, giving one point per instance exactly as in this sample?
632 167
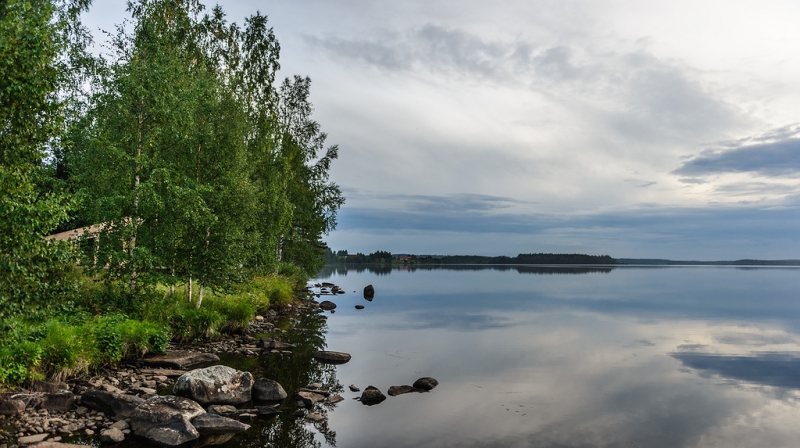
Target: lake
549 357
572 357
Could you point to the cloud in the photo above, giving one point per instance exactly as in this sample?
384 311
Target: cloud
773 159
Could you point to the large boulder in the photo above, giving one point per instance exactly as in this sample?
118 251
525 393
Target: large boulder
166 420
372 395
61 401
330 357
11 406
216 424
118 406
180 359
215 385
268 390
369 292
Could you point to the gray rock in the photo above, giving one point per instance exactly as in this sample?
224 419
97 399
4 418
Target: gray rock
11 406
49 386
122 425
221 409
215 385
180 359
268 390
272 344
309 398
29 440
327 305
330 357
61 401
118 406
371 396
426 383
369 292
166 420
215 424
315 417
111 435
333 399
399 390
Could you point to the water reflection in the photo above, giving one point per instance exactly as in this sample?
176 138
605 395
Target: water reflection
769 369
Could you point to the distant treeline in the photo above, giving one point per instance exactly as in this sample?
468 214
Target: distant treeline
522 259
387 258
743 262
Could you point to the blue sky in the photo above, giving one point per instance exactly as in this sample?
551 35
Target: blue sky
634 129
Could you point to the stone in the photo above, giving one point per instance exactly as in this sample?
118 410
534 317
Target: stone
267 411
399 390
112 435
180 359
359 307
426 383
54 444
221 409
61 401
80 410
268 390
272 344
118 406
163 373
309 398
29 440
327 305
353 388
215 424
215 385
11 406
122 425
259 318
88 432
369 292
372 396
166 420
333 399
315 417
330 357
49 386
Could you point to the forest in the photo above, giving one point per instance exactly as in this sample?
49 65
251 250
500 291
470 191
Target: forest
200 177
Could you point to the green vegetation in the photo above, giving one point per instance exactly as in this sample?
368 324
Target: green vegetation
206 183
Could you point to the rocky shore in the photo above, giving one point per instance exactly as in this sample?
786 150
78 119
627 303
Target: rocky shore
201 405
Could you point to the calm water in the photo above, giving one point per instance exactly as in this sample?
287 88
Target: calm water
625 357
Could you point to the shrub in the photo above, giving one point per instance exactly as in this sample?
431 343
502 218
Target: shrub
67 350
237 310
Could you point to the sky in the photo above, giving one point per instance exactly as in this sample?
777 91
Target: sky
644 129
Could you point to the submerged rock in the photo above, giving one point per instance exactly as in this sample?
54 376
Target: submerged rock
400 390
215 385
332 357
371 396
272 344
215 424
327 305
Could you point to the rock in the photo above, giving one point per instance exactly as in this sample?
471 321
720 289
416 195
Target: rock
214 424
166 420
62 401
88 432
327 305
399 390
333 399
327 285
309 398
426 383
29 440
49 386
359 307
331 357
215 439
54 444
221 409
372 396
171 373
369 292
267 411
272 344
122 425
119 406
111 435
268 390
215 385
353 388
180 360
259 318
315 417
11 406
